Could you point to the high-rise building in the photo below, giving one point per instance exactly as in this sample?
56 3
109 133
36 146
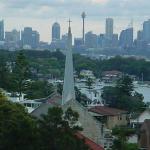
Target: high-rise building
12 36
90 40
140 35
1 30
109 28
126 38
55 32
146 31
30 38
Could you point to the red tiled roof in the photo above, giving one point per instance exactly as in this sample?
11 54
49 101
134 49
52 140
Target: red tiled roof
92 145
106 111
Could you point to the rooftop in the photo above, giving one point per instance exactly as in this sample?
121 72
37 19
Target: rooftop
106 111
92 145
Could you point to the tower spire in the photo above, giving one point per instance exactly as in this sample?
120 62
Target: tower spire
68 87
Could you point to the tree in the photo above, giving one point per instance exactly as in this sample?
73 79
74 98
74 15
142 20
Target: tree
123 96
21 71
125 85
57 130
2 96
89 83
17 128
38 89
120 143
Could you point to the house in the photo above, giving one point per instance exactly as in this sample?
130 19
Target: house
110 76
110 117
139 119
144 136
87 74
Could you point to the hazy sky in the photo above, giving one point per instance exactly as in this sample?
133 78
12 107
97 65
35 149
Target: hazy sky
41 14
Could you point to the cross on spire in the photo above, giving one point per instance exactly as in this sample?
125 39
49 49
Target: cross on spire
69 21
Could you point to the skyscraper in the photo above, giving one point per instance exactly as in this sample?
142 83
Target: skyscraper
55 32
126 38
109 28
1 30
30 38
146 31
91 40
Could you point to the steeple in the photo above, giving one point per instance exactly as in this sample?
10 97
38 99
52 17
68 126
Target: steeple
68 87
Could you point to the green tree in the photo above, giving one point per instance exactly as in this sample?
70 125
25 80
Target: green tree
38 89
120 143
2 96
125 85
21 71
89 83
57 131
17 128
123 96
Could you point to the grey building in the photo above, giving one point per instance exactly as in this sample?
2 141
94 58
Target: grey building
109 28
90 40
30 38
55 31
1 30
126 38
146 31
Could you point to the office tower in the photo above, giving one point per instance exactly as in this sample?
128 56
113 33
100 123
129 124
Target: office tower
109 29
78 42
140 35
16 35
1 30
115 41
83 15
90 40
35 39
126 38
100 40
146 31
12 36
55 32
30 38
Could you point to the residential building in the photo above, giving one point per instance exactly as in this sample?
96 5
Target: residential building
110 117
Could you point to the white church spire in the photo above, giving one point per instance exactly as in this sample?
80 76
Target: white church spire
68 87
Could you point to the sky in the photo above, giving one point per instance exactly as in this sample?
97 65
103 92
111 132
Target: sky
41 14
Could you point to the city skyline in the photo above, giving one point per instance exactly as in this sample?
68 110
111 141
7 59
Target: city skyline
19 14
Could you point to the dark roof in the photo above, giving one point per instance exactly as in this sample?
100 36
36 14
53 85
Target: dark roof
106 111
54 100
92 145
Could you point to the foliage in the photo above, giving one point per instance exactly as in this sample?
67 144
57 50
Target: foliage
21 71
57 130
122 96
17 128
54 131
89 83
2 96
38 89
120 143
